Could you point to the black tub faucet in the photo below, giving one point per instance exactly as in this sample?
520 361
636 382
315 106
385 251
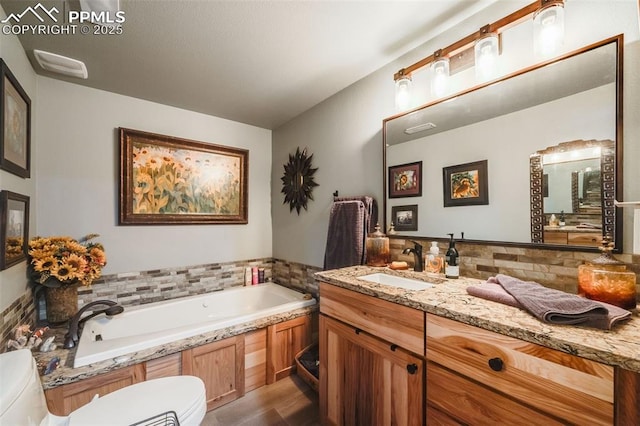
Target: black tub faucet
75 323
417 256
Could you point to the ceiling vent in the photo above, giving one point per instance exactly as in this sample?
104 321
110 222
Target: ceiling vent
61 64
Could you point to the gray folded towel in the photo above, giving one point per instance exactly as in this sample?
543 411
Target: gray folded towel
549 305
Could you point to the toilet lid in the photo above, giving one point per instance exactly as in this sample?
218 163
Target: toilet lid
16 369
184 395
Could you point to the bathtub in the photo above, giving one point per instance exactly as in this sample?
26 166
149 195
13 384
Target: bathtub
147 326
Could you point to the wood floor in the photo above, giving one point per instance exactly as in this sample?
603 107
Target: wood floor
288 402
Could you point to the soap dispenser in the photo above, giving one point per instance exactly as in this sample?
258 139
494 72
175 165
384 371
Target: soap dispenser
434 262
452 270
377 246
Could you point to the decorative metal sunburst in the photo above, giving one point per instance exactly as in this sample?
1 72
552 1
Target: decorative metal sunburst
297 182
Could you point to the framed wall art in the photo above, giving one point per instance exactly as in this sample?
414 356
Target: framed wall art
166 180
405 180
15 121
405 218
465 184
14 228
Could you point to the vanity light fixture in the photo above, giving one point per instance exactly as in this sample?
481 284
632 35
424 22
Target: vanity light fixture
548 28
485 45
403 92
439 75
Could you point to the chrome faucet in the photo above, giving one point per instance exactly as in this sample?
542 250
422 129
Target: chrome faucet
417 256
77 321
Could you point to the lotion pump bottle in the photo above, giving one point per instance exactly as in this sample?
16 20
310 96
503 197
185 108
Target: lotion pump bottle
452 270
434 261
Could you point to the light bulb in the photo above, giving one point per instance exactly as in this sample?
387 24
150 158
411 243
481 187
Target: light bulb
486 56
548 30
403 93
440 77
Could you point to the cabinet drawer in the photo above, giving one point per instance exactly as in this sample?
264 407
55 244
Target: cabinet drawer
592 239
395 323
570 388
555 238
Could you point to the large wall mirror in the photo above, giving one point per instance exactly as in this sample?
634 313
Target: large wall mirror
570 108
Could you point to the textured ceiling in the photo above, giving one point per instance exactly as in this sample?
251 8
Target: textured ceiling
255 62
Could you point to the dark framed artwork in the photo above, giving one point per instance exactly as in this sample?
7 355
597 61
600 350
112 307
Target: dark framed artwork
14 228
166 180
465 184
405 218
15 121
405 180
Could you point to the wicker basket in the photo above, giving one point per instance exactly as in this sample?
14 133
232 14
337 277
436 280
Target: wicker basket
302 371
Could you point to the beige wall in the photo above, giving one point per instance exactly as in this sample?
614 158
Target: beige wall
344 132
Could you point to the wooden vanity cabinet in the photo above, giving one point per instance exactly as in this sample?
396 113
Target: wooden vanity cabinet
475 374
367 373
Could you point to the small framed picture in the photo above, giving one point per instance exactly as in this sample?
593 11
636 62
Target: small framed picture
465 184
14 228
405 180
405 218
15 121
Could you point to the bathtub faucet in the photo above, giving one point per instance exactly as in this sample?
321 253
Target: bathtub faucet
77 321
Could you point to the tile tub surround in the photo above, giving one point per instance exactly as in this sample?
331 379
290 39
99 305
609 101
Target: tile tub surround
552 268
448 298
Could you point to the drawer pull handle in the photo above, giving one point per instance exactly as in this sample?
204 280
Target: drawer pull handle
394 347
412 368
496 364
358 331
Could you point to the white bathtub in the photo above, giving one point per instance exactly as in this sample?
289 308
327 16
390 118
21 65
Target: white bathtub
146 326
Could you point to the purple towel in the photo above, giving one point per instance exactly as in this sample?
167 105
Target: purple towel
549 305
346 235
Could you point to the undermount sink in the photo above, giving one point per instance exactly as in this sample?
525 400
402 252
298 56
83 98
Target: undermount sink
395 281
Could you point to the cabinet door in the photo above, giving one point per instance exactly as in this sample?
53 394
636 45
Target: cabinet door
284 341
220 365
64 399
367 381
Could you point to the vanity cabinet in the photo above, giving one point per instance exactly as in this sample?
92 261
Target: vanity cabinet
371 360
476 374
588 239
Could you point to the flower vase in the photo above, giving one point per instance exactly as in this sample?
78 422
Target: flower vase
62 303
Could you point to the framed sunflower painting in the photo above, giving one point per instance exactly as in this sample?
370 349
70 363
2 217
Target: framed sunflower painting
405 180
466 184
166 180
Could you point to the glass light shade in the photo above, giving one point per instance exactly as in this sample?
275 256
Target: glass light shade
440 77
403 93
548 30
486 56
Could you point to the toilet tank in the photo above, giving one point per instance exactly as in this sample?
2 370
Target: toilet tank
22 399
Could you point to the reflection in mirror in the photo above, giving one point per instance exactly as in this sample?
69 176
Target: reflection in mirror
575 97
570 195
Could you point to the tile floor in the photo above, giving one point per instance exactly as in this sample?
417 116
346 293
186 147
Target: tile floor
288 402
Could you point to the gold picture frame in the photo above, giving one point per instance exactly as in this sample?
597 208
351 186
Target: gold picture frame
166 180
15 122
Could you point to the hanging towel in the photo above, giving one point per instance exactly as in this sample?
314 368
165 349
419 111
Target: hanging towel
346 235
371 211
549 305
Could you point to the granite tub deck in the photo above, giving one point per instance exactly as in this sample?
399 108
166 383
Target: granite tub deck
448 298
67 374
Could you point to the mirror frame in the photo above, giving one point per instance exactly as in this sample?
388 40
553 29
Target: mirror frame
616 187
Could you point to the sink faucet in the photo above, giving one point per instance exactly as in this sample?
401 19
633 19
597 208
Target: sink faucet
417 255
77 321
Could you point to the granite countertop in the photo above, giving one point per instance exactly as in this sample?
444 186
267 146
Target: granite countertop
571 228
448 298
65 373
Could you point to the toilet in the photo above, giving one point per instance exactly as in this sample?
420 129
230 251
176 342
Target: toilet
157 401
